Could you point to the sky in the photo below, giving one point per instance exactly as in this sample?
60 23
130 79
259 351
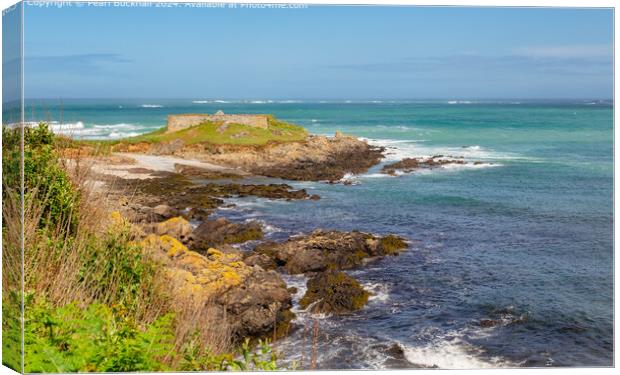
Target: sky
318 52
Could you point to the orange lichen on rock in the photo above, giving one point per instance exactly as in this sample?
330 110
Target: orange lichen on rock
193 274
177 227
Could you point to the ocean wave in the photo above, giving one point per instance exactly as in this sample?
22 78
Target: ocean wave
116 135
210 101
378 292
151 106
79 130
56 127
289 101
397 127
461 102
349 179
267 228
400 149
451 353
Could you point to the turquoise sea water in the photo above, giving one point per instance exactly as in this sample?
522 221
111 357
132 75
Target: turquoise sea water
525 238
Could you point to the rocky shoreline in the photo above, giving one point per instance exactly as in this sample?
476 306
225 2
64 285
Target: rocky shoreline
170 212
317 158
170 190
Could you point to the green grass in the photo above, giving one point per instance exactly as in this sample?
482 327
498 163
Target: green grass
219 134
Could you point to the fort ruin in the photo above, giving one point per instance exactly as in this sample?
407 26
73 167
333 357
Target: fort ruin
183 121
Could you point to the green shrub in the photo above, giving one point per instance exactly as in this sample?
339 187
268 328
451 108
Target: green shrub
103 339
11 330
97 338
115 268
44 178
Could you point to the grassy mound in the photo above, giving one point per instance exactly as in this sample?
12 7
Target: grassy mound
232 134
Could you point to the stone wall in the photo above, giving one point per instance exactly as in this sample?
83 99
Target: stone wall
178 122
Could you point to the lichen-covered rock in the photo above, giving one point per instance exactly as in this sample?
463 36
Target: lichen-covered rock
256 301
333 292
196 276
221 231
176 227
321 250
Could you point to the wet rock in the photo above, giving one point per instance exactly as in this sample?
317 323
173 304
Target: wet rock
221 231
181 193
396 358
392 245
321 250
408 165
486 323
333 292
272 191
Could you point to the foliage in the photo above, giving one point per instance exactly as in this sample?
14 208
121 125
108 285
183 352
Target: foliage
115 268
44 178
107 275
98 338
11 330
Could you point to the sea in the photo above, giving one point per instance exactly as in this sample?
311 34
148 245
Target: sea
510 261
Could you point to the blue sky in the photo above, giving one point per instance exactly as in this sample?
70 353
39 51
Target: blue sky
318 52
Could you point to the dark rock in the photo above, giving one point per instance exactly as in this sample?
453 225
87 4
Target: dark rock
396 358
212 233
321 250
333 292
326 160
260 307
408 165
489 323
392 245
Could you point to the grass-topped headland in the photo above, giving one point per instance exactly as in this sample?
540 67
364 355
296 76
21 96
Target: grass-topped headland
215 133
232 134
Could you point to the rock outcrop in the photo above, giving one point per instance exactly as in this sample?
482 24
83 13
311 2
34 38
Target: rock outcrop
321 250
256 301
333 292
409 165
212 233
171 194
315 159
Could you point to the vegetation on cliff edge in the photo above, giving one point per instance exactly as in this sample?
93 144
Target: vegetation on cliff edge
93 300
